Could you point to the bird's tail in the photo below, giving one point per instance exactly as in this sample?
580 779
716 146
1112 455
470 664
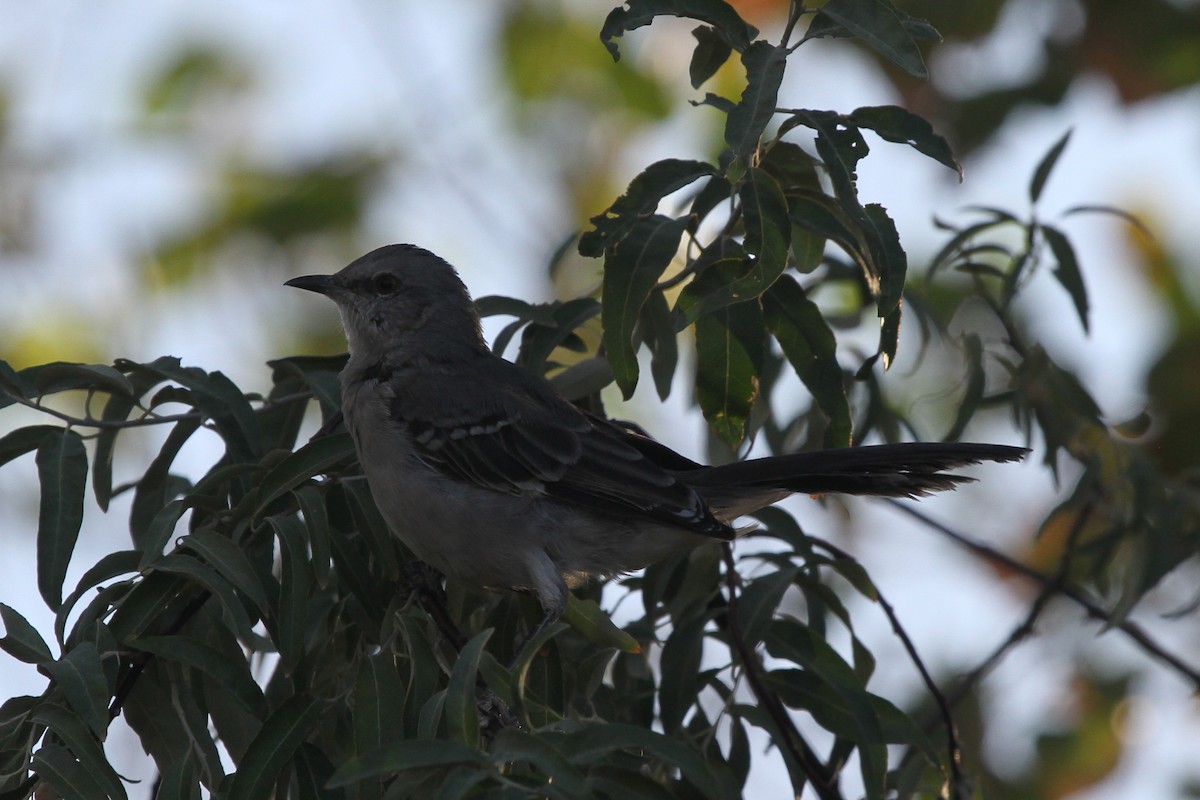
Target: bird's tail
913 469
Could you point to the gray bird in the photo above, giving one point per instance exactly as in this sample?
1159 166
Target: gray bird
487 474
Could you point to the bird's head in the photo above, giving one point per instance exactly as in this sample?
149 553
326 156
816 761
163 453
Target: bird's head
399 297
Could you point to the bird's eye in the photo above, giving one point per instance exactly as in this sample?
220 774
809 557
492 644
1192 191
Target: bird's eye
386 283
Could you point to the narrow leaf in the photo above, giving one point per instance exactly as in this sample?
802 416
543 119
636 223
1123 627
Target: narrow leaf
314 458
80 675
880 26
230 562
462 721
23 440
21 640
765 64
62 471
82 743
637 13
896 124
1046 166
294 586
711 52
406 754
99 376
233 674
1067 271
70 779
631 270
272 748
640 200
810 347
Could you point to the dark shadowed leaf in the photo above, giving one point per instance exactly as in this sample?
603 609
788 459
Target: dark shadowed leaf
122 562
514 745
228 559
294 587
758 602
640 200
313 459
83 745
234 674
765 64
589 619
659 334
631 270
889 257
880 26
974 391
637 13
272 748
62 472
155 488
1046 166
711 52
23 440
99 376
21 640
1067 271
462 720
178 782
407 754
80 675
810 347
729 355
889 336
896 124
71 780
681 655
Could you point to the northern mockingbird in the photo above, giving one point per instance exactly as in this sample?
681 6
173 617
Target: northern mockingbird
487 474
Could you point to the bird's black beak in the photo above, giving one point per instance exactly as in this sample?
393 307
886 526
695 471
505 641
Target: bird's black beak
322 284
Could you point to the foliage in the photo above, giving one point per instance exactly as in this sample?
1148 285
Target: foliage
264 619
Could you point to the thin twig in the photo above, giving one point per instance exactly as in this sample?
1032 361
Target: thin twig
1093 609
960 786
793 742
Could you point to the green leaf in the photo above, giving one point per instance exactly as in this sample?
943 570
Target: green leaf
809 345
586 745
896 124
293 590
660 338
880 26
1067 271
641 199
80 675
637 13
99 376
1046 166
378 704
758 602
585 616
23 440
62 471
283 732
82 743
730 347
159 532
889 257
765 64
122 562
316 520
681 655
21 640
768 229
233 674
207 578
462 721
511 745
145 605
155 488
631 270
406 754
889 336
178 781
230 562
218 398
70 779
314 458
711 52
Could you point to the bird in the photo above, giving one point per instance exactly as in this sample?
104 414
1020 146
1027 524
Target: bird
487 474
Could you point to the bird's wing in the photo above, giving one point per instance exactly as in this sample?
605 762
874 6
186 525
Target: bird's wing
511 433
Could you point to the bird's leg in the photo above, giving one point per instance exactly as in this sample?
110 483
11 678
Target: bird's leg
426 582
552 593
